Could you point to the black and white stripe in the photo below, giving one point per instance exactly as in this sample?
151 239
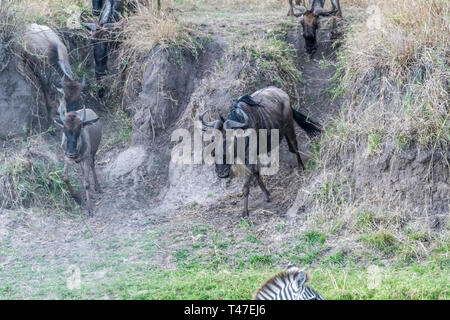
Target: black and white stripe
288 285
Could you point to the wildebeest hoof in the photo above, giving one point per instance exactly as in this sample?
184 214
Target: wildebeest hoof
267 199
245 215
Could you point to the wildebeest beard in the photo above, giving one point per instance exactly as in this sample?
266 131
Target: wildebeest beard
223 170
72 131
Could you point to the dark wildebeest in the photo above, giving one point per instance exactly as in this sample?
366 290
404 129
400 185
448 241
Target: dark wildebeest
82 132
267 108
96 7
110 13
43 48
309 19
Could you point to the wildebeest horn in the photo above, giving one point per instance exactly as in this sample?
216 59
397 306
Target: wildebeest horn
62 109
213 124
323 12
89 25
302 10
231 124
110 25
83 114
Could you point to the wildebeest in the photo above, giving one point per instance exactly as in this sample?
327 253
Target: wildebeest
110 13
309 19
96 7
82 132
43 48
268 108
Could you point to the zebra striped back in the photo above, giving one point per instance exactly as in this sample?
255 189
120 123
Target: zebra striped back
288 285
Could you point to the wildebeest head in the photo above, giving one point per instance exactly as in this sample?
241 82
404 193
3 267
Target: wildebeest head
309 19
72 126
71 90
237 119
310 24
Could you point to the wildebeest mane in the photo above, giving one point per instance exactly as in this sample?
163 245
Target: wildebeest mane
247 99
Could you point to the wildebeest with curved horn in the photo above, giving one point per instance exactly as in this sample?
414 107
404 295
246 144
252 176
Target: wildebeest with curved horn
268 108
82 132
309 19
42 48
110 13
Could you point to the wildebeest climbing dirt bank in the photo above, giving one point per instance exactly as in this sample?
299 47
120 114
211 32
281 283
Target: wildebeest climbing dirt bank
367 219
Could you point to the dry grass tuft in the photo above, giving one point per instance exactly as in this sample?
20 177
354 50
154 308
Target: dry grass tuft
54 13
395 67
147 28
33 180
10 22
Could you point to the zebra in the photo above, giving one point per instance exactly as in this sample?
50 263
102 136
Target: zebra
288 285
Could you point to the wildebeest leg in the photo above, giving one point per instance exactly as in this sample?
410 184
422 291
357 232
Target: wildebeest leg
85 166
292 144
263 187
336 7
291 8
94 174
69 185
96 7
246 191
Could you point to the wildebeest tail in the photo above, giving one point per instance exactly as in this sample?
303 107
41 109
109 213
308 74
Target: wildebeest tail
59 64
311 128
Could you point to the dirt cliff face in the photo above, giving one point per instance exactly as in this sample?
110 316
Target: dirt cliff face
21 104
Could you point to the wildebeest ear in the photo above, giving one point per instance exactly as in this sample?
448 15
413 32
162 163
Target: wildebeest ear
58 122
89 122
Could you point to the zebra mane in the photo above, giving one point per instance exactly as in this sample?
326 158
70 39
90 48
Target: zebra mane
288 276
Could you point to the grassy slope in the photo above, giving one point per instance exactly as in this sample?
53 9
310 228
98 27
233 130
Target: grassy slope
206 264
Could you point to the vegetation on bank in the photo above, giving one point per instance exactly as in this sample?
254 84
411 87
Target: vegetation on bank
394 67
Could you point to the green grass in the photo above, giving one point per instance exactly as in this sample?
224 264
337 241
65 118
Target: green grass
374 142
381 240
424 281
217 269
